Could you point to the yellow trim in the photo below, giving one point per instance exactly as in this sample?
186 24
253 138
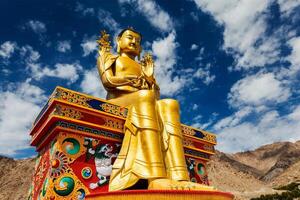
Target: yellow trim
86 95
89 124
38 146
81 133
72 120
198 129
38 132
89 134
196 149
89 109
189 155
206 141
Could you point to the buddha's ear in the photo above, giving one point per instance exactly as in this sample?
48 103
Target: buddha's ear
118 44
140 51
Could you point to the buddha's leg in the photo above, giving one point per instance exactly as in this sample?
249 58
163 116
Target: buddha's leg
141 155
178 178
176 168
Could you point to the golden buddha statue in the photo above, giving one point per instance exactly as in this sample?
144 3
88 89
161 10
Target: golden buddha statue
152 147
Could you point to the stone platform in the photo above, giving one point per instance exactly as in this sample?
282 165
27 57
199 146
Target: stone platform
74 133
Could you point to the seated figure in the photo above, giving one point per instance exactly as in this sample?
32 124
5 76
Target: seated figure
152 147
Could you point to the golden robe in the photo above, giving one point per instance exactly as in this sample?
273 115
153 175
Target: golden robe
152 145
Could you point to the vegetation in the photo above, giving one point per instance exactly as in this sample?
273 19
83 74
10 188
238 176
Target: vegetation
292 192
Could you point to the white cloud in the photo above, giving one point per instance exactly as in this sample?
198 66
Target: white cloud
66 71
106 19
293 58
200 55
7 49
202 126
255 123
170 81
195 107
244 30
154 14
234 119
37 26
69 72
295 115
287 6
64 46
19 105
29 54
194 47
204 75
92 85
271 127
63 71
257 90
197 121
164 49
89 45
83 10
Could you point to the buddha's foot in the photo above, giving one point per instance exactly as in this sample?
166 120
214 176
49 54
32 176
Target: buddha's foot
168 184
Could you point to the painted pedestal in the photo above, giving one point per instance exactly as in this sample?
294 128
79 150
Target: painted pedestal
78 138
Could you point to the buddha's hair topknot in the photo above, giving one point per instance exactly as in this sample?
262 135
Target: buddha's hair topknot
129 29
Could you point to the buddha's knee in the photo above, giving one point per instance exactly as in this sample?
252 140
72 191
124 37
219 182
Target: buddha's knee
168 105
146 96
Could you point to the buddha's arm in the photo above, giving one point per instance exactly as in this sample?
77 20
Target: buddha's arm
115 81
105 63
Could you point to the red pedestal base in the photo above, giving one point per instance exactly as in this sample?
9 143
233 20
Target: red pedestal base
161 195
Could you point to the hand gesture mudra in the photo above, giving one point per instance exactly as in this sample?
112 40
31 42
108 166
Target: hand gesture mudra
147 64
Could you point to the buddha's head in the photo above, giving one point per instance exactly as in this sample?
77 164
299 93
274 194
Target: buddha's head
129 42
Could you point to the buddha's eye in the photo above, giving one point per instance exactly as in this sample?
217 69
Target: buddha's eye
130 37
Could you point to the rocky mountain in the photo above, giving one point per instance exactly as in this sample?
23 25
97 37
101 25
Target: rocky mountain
15 178
246 174
252 173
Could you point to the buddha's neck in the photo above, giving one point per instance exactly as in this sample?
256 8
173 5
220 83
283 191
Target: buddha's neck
128 55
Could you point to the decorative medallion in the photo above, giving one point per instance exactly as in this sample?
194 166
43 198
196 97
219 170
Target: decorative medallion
65 186
59 164
86 173
71 146
200 169
80 194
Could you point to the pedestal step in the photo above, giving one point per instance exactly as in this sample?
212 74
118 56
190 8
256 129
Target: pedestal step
161 195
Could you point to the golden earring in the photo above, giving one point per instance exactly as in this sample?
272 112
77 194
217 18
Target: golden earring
118 49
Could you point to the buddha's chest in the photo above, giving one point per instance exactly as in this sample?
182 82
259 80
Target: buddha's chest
127 66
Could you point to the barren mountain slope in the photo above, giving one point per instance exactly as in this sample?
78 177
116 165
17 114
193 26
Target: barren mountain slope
292 174
15 178
225 175
271 160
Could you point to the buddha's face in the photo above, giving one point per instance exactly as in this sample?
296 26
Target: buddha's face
129 43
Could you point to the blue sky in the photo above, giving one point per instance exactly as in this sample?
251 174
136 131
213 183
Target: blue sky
234 65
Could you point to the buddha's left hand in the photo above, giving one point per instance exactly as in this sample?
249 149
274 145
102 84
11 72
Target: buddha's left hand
147 64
